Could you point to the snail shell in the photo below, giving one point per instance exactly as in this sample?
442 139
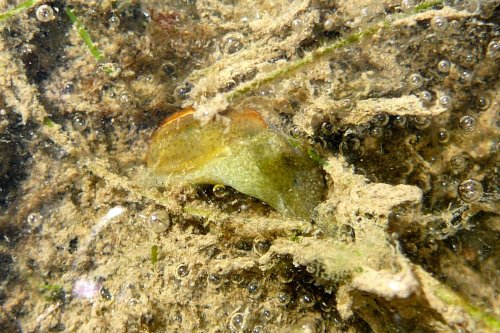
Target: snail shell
246 155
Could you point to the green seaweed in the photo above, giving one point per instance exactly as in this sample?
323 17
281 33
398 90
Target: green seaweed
53 292
84 34
154 254
19 8
478 314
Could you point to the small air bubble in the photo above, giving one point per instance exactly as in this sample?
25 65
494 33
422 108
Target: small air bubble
422 122
399 121
445 101
114 21
306 300
443 135
220 191
470 190
483 102
444 66
381 119
493 50
416 80
467 124
465 77
283 298
232 43
261 246
182 271
214 280
328 25
439 23
159 221
426 97
407 5
458 163
254 289
297 25
236 321
44 13
376 132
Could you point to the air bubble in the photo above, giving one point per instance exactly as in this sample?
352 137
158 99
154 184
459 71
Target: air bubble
236 321
381 119
258 329
483 102
214 280
399 121
470 190
125 98
493 49
350 144
444 66
44 13
445 101
467 124
34 220
182 271
347 104
114 21
426 97
68 88
297 25
443 135
458 163
306 300
416 80
254 289
283 298
261 246
327 129
422 122
159 221
232 43
465 77
376 132
266 315
310 324
407 5
328 25
220 191
439 23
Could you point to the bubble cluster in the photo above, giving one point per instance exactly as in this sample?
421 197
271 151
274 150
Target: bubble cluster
470 190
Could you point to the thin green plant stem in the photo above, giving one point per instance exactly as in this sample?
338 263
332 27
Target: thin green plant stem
478 314
321 52
19 8
96 53
94 50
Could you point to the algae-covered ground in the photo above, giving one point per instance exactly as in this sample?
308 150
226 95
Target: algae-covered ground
398 102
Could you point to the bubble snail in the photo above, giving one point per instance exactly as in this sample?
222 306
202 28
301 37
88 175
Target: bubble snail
246 155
